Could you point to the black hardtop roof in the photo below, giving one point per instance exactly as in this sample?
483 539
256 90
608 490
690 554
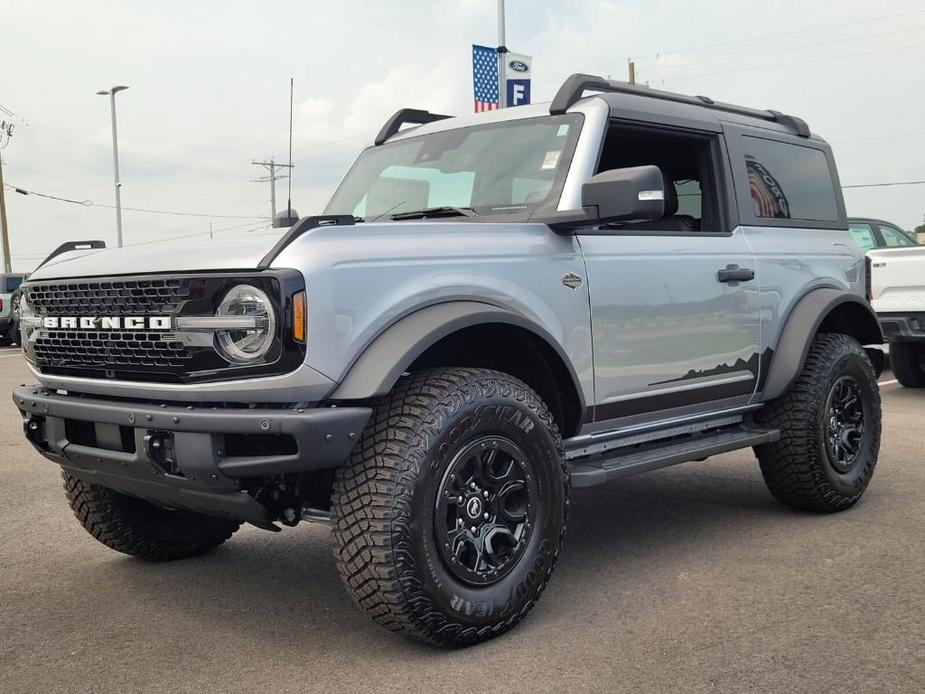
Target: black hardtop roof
615 94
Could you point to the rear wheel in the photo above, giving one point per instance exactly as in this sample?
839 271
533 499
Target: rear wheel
449 516
136 527
829 422
908 362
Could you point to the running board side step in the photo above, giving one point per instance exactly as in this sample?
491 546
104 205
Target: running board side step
620 463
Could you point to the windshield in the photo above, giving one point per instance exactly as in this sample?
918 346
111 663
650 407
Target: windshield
497 168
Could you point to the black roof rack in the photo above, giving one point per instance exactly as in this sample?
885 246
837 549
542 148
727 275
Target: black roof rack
406 115
575 86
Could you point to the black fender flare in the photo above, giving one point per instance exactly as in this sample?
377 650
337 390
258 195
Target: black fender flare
393 351
801 327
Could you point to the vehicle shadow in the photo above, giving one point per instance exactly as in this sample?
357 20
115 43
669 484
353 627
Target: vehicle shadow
283 589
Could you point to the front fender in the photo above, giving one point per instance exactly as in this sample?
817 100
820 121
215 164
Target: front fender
392 352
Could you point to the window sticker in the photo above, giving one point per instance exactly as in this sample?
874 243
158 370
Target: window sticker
563 130
551 160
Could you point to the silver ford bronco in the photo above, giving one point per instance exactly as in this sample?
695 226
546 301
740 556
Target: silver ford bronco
492 309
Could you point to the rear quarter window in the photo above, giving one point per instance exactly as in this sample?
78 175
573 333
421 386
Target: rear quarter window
789 182
11 283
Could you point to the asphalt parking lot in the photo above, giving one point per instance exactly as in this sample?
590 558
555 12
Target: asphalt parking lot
688 579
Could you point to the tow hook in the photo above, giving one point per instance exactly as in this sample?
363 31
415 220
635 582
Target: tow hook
34 428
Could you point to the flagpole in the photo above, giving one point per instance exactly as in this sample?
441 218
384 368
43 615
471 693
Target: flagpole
502 49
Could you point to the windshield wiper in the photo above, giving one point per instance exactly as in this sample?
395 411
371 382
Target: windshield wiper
435 212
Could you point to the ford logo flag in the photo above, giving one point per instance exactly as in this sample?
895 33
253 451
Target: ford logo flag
517 79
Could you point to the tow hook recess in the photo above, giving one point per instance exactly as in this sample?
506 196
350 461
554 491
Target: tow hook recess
160 450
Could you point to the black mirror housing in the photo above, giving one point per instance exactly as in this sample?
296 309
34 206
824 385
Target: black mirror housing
633 194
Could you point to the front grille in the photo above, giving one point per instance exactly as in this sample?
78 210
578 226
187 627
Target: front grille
109 297
110 350
146 354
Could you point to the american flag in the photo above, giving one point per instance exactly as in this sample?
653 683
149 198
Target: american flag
485 78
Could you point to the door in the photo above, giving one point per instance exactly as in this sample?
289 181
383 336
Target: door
674 303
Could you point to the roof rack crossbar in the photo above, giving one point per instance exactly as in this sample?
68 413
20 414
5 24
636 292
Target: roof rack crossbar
575 86
406 115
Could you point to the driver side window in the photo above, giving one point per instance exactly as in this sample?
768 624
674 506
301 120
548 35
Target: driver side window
686 162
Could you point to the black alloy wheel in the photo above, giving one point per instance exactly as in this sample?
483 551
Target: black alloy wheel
484 513
844 423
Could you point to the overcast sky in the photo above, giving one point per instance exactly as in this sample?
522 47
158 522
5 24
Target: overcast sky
209 88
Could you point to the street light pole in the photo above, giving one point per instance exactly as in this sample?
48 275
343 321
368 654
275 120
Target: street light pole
111 93
502 50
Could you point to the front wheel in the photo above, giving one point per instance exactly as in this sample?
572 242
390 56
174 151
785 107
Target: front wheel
449 516
134 526
829 422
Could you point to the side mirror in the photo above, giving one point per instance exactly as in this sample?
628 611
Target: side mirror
633 194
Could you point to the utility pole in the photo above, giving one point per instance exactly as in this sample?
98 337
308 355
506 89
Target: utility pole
271 166
502 50
7 265
6 132
631 66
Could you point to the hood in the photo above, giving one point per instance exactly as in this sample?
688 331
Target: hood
167 257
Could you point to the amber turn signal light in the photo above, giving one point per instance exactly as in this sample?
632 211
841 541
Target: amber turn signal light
298 317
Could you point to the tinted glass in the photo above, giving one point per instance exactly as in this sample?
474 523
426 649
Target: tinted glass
864 235
893 237
13 282
789 181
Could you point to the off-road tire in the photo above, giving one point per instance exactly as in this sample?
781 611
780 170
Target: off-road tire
384 499
907 360
134 526
798 469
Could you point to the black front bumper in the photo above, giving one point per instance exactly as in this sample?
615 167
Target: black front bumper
185 457
902 327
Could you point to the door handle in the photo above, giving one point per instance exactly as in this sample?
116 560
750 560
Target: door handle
734 273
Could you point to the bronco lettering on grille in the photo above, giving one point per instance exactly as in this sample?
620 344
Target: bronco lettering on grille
106 322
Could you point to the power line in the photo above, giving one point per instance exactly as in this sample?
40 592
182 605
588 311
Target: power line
238 227
91 203
883 185
795 32
688 49
659 70
64 136
794 62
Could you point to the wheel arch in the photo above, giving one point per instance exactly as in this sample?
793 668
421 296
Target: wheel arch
451 334
821 310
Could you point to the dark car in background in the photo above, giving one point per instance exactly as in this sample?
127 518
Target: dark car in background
9 307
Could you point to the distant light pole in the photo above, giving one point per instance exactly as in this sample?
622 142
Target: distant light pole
111 93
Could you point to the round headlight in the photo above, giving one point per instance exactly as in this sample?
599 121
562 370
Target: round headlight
248 344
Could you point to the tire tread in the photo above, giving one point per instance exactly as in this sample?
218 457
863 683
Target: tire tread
372 497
